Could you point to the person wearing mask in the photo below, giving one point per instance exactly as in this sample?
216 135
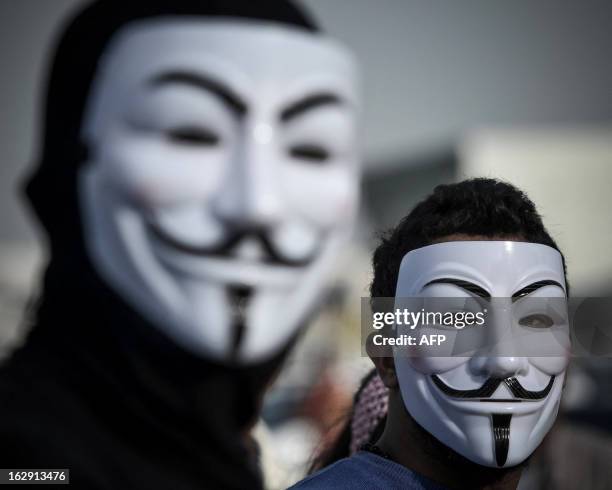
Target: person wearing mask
198 176
471 413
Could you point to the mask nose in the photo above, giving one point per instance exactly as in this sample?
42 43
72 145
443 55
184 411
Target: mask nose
249 194
500 356
497 366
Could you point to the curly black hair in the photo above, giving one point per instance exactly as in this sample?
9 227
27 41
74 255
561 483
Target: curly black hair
478 207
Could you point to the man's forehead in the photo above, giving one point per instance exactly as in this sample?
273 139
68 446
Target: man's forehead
250 56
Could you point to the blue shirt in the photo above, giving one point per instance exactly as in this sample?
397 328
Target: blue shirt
367 471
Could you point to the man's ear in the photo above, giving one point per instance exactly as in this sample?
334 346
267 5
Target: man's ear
382 357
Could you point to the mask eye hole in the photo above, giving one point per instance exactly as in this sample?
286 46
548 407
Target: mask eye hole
310 153
538 320
192 135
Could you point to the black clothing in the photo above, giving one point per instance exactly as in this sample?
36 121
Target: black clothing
98 391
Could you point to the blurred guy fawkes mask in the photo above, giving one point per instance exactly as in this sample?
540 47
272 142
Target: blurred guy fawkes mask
495 401
222 179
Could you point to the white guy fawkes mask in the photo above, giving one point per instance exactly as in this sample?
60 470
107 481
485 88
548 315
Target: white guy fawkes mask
222 179
494 403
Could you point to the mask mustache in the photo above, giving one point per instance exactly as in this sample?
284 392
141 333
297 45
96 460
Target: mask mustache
488 388
232 240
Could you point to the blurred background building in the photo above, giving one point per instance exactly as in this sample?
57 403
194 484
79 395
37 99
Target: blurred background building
520 91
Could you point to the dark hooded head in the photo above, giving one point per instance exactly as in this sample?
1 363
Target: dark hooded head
199 159
197 163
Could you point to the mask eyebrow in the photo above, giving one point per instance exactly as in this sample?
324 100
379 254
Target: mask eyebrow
309 103
470 287
521 293
202 82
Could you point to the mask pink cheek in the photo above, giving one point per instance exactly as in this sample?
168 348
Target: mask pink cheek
138 187
549 351
134 166
341 204
347 207
150 182
148 194
326 196
551 365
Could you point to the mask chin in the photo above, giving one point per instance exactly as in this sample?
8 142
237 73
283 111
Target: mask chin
486 433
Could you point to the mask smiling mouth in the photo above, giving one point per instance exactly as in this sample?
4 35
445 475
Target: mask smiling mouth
227 248
485 392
